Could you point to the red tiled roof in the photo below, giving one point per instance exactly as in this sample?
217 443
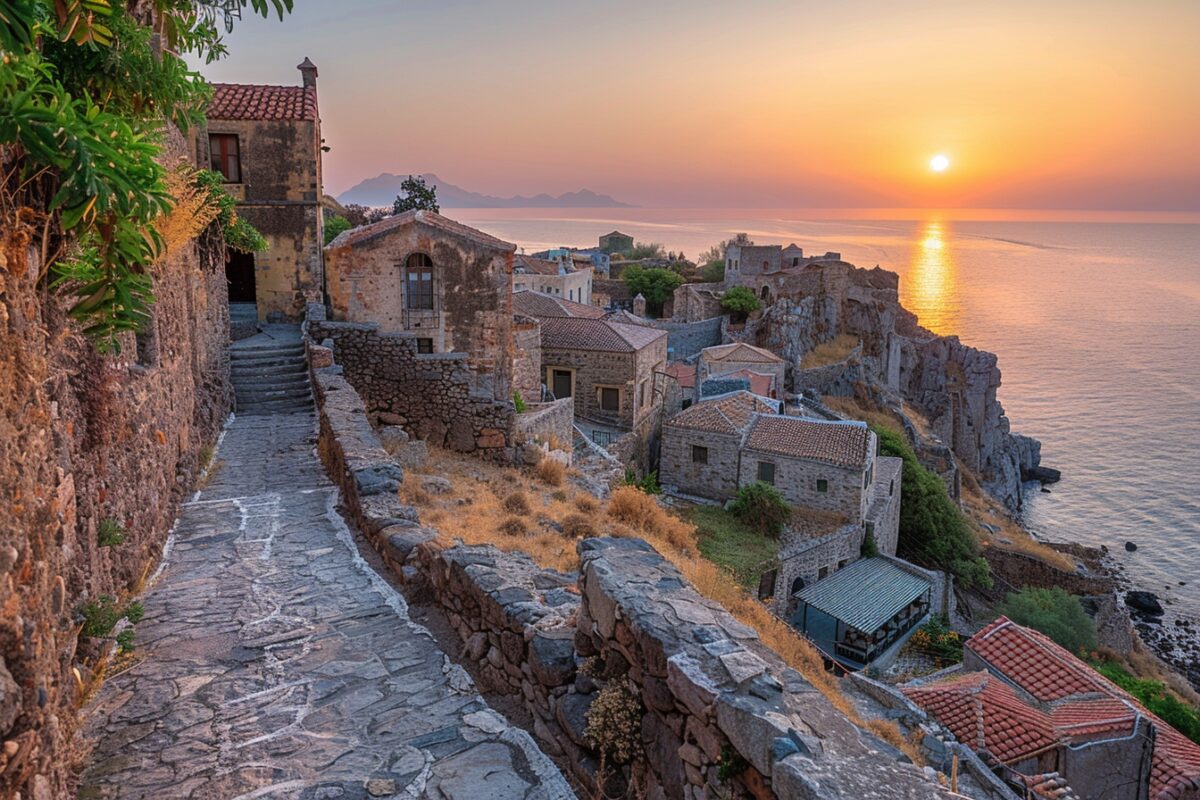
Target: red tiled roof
1061 692
365 233
258 101
535 266
1050 785
729 413
544 306
761 383
739 351
684 374
574 333
843 444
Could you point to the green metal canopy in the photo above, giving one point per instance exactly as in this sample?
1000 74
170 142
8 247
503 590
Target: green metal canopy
865 594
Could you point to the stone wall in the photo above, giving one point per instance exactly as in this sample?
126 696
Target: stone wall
796 479
720 712
717 479
434 397
625 371
86 438
810 558
546 422
686 339
527 359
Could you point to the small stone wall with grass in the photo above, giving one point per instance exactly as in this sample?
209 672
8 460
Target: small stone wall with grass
630 677
549 423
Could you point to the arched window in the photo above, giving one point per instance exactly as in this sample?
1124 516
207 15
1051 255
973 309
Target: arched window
797 585
418 282
766 293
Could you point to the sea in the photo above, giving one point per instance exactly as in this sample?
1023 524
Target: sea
1095 319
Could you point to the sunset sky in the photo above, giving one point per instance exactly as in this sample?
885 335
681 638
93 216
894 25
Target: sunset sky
758 103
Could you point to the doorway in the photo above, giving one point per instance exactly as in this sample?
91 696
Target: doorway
239 273
561 380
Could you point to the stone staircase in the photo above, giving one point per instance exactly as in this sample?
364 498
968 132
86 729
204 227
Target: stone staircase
270 378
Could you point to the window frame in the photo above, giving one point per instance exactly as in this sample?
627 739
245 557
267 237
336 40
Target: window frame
419 291
823 485
424 345
220 157
701 451
770 468
600 390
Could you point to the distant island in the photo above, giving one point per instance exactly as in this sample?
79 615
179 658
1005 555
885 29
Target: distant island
382 190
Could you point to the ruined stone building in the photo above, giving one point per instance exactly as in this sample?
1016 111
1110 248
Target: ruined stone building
610 368
1051 726
266 142
750 265
616 242
558 278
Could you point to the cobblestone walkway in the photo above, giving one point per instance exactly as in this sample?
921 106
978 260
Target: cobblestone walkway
279 664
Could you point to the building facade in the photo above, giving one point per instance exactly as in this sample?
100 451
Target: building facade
266 143
729 359
553 277
616 242
442 283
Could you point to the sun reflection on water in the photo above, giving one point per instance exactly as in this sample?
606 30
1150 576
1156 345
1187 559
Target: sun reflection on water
930 288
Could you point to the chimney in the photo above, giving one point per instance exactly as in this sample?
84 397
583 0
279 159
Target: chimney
309 72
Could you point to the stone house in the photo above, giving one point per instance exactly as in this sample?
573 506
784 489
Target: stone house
701 448
266 142
555 278
1051 726
745 359
768 270
440 282
616 242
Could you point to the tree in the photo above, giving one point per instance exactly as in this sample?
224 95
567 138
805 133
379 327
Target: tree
335 225
762 507
716 253
656 285
740 302
1053 612
416 195
643 250
933 530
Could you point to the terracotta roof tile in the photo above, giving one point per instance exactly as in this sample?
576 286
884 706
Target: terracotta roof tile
729 413
366 233
544 306
258 101
535 266
684 374
843 444
739 351
575 333
761 383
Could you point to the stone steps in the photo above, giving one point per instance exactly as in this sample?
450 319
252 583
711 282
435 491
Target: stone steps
270 379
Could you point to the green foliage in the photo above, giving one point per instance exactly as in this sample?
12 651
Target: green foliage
101 615
1156 697
125 641
646 250
933 530
646 485
109 532
716 254
84 92
869 548
761 506
656 285
740 301
1053 612
728 542
713 272
417 195
134 612
936 639
335 225
731 764
519 403
239 234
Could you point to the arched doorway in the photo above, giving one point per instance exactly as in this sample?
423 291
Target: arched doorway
766 293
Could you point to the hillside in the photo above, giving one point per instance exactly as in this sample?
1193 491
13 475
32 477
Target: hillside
382 190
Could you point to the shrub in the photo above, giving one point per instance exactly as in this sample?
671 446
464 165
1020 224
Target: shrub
1053 612
933 530
102 614
513 526
335 225
643 250
519 403
551 471
577 526
869 548
740 302
109 532
125 641
587 504
713 272
644 515
936 639
648 484
614 721
516 503
1155 696
656 285
761 506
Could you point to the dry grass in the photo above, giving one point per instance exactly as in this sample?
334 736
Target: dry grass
470 511
551 471
517 503
981 508
857 409
830 352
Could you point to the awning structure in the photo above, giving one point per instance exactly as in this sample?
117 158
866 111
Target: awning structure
866 594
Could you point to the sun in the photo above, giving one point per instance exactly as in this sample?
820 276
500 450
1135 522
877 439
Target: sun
939 163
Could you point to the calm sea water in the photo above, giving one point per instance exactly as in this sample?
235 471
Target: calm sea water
1097 325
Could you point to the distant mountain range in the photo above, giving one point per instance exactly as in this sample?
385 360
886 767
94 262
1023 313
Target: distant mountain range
382 190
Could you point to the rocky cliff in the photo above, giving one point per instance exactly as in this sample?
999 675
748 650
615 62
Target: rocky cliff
952 385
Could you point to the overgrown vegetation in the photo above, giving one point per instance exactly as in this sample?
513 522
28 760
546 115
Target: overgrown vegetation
936 640
416 195
1156 697
657 285
933 530
551 471
100 616
762 507
1053 612
712 260
519 403
869 549
614 721
239 234
648 483
84 93
335 225
109 532
740 301
831 352
730 543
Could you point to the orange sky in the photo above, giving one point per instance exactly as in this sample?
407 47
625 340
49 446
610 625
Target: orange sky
756 103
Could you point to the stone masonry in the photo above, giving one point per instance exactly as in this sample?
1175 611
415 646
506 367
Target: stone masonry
279 664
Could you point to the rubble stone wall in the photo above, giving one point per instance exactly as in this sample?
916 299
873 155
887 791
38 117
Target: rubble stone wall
432 396
86 438
686 339
544 422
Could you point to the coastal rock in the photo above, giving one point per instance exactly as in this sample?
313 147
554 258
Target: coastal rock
1130 547
1145 602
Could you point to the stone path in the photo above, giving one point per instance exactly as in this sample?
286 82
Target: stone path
279 664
